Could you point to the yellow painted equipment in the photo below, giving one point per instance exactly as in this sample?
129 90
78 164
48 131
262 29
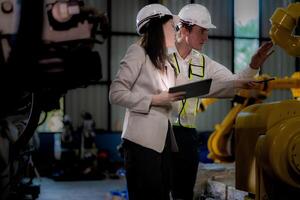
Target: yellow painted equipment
284 21
268 150
205 102
218 143
265 136
220 149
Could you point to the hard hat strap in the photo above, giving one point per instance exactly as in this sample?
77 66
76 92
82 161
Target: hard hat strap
150 17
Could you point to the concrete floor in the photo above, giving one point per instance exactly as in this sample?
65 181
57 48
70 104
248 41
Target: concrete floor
80 190
101 189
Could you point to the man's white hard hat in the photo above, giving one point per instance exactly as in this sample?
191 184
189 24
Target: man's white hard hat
149 12
196 14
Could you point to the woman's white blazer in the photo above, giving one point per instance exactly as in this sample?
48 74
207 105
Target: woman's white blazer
133 87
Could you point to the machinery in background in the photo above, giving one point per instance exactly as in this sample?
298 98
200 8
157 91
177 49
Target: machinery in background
267 143
46 49
221 141
266 147
263 140
77 155
284 21
268 150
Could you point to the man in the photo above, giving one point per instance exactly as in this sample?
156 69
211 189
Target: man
191 65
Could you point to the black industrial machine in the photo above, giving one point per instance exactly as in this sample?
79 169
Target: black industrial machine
42 44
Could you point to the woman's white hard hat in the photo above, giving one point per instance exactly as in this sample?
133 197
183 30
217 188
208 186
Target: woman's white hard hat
149 12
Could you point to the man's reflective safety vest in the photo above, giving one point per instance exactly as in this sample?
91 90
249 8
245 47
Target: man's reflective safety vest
185 111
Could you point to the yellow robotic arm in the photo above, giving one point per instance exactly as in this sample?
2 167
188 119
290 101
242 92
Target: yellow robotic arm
219 142
205 102
284 21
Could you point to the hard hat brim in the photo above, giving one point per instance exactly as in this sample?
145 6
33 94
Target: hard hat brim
190 23
209 26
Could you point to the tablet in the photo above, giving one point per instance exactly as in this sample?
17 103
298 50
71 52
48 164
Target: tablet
193 89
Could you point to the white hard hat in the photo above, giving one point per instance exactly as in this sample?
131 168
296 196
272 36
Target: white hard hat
149 12
196 14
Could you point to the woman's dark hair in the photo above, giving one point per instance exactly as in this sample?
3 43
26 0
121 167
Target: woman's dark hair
153 40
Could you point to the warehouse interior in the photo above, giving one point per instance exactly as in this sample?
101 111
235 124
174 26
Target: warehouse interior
60 138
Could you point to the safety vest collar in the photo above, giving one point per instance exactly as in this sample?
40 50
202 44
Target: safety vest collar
196 68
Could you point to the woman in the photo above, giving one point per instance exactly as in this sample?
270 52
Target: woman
141 86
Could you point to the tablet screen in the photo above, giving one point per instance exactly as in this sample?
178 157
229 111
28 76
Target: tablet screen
193 89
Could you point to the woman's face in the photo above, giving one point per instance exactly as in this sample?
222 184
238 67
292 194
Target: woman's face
169 33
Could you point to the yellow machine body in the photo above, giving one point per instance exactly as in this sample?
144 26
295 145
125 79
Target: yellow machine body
266 136
267 146
219 141
284 21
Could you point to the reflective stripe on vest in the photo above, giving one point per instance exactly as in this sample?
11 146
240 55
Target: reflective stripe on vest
193 68
196 71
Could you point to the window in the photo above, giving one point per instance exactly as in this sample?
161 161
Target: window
243 51
246 32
